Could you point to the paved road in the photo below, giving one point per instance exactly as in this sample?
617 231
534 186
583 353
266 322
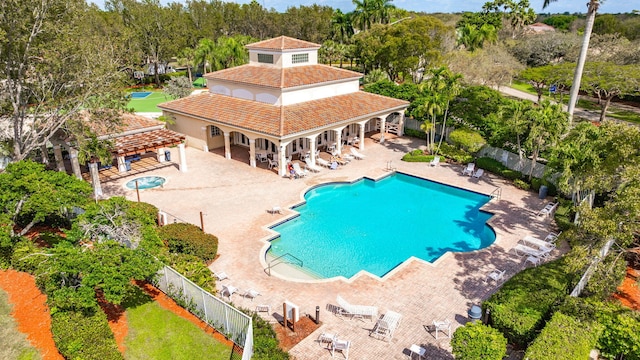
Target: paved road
585 114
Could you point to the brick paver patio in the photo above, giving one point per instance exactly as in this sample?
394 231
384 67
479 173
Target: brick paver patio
235 198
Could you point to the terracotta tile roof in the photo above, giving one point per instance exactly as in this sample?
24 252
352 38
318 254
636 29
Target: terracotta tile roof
146 141
283 120
128 123
283 43
282 78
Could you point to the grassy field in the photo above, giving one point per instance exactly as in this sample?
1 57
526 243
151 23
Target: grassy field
149 104
155 333
13 344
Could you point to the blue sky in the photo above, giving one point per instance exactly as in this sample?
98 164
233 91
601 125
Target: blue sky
560 6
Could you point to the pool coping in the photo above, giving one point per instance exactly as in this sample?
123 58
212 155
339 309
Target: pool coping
262 255
124 183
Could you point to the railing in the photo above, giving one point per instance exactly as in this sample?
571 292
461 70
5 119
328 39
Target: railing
284 259
226 319
587 274
496 193
390 166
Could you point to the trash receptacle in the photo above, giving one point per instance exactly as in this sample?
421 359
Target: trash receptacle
475 313
167 155
542 193
127 165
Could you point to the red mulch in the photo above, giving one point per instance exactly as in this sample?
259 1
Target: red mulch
629 292
287 338
30 311
117 320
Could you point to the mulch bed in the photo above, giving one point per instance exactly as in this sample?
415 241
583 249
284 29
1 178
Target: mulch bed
629 292
30 311
117 318
288 338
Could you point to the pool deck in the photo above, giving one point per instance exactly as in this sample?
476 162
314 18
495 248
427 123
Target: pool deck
235 198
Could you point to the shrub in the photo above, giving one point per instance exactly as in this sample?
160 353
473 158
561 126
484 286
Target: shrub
186 238
620 337
606 278
476 341
457 155
265 342
415 133
193 269
521 184
84 336
497 168
536 183
417 156
564 337
467 139
520 308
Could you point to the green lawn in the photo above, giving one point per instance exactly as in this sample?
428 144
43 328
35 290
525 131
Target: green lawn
155 333
149 104
13 344
522 86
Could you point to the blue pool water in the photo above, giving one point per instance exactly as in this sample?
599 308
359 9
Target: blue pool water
146 182
376 226
140 94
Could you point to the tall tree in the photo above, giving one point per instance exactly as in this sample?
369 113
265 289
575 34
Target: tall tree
52 68
548 124
204 53
592 8
341 26
608 80
514 116
187 57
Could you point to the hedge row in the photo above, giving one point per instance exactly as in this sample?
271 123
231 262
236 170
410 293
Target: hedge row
496 167
565 338
265 342
189 239
476 341
523 304
455 154
84 336
417 156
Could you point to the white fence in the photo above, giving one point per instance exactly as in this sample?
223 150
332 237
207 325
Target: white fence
512 161
587 274
231 322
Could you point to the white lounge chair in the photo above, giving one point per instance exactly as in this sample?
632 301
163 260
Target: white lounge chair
356 154
534 260
478 173
228 290
220 275
310 166
552 237
299 172
251 294
387 325
261 156
355 311
496 275
342 346
548 209
469 169
442 326
275 210
524 250
327 339
541 244
435 161
322 162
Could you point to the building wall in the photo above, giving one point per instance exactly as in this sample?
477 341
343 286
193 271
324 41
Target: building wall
287 57
319 92
277 58
195 130
262 94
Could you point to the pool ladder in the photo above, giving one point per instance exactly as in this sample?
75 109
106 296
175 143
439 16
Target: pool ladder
496 193
284 259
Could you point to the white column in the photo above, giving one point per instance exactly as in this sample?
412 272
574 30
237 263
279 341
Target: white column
338 141
95 180
121 166
252 152
312 155
75 164
183 158
282 155
361 136
45 154
57 152
227 145
401 124
160 155
383 121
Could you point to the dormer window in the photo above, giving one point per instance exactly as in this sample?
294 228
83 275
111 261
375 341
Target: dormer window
300 58
265 58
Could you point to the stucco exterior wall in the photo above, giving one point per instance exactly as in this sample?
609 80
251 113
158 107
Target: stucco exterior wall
253 58
288 56
195 130
262 94
319 92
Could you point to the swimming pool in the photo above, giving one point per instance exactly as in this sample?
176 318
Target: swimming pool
146 182
377 225
140 94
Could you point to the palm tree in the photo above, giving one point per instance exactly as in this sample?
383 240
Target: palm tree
341 25
381 11
513 114
548 124
204 53
592 8
473 37
187 57
362 14
452 88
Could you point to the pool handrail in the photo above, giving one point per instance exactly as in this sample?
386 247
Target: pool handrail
296 262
